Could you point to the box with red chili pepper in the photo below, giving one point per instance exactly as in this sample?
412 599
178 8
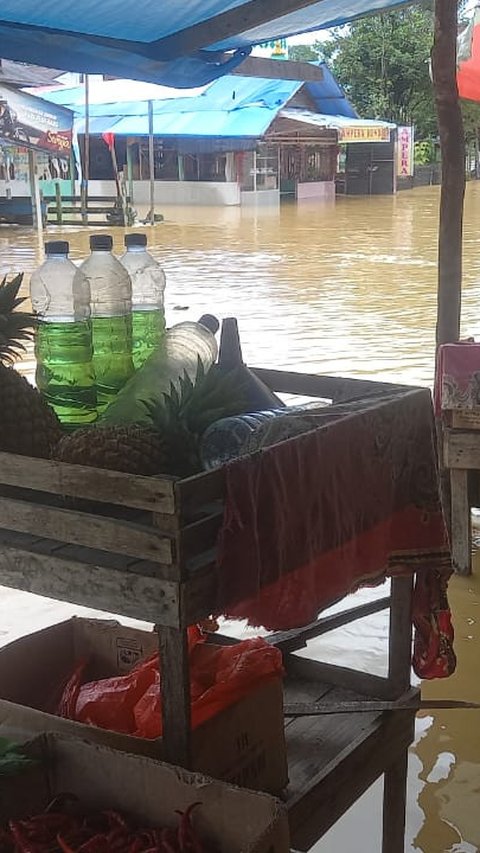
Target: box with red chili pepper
85 798
103 680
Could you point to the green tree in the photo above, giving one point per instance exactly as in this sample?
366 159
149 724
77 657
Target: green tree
303 53
383 64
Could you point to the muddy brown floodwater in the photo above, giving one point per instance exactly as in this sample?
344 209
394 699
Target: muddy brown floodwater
346 290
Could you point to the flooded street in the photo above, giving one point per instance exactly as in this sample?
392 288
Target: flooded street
343 290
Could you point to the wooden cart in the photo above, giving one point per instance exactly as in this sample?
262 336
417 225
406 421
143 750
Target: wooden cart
146 549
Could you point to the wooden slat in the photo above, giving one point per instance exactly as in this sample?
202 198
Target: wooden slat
201 536
410 701
129 594
194 493
460 522
290 641
84 529
78 481
350 679
260 66
317 804
461 449
331 387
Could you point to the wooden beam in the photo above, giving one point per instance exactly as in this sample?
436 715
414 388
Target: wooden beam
273 69
290 641
221 27
452 146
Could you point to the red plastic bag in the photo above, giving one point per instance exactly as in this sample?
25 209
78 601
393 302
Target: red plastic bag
131 704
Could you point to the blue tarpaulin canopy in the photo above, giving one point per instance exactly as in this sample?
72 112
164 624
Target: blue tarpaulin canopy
232 108
180 43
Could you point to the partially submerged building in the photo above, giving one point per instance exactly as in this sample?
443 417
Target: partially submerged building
238 140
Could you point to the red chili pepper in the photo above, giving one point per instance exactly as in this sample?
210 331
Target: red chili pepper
64 847
22 842
168 842
187 839
97 844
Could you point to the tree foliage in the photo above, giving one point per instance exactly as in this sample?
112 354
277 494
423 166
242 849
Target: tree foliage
303 53
383 64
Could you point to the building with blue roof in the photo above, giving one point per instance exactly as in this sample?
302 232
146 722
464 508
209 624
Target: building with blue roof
237 140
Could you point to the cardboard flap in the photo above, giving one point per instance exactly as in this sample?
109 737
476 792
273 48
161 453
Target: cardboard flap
236 820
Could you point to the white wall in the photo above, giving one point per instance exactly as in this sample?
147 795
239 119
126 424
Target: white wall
261 198
175 192
321 190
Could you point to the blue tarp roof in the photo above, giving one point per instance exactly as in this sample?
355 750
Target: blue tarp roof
176 42
230 107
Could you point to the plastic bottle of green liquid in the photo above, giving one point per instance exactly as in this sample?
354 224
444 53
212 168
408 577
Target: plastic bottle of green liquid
63 340
148 287
111 306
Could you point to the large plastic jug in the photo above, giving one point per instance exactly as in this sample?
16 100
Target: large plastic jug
185 344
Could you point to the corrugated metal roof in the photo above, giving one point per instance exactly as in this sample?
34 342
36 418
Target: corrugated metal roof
177 43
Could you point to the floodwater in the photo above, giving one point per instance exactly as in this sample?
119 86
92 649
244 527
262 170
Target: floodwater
348 290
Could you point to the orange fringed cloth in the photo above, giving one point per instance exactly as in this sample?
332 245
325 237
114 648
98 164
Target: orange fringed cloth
310 520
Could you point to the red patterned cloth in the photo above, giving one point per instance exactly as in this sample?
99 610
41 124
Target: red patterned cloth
312 519
457 381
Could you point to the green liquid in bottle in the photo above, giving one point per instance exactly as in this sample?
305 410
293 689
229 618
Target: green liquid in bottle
148 331
112 358
64 373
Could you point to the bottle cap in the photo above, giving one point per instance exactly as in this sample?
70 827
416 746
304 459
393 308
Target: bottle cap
57 247
210 322
135 240
101 243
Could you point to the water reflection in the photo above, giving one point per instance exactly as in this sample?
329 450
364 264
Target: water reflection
345 290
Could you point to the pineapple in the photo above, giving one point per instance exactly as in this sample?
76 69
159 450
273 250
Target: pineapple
170 443
28 426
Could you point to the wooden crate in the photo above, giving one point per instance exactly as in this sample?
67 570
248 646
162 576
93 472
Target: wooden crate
142 547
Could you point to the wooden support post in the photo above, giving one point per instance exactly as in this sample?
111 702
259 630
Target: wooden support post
86 156
37 215
175 691
130 172
151 164
394 802
400 636
58 203
452 146
460 527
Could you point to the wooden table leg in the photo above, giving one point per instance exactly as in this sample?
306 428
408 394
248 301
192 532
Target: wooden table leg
394 803
461 530
175 691
400 636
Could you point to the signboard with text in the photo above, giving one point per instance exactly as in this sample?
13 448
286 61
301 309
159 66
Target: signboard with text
31 122
405 152
363 134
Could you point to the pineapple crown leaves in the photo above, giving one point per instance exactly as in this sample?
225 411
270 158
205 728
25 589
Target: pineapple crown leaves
16 327
191 406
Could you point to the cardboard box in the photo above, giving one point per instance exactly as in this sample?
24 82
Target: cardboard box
245 744
234 820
